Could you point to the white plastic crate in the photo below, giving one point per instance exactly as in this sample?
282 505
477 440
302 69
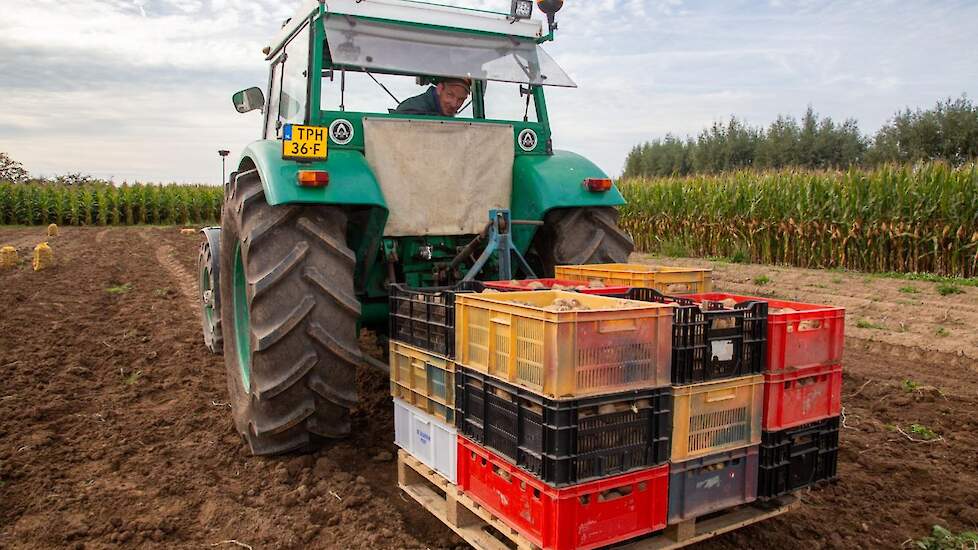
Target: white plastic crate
428 439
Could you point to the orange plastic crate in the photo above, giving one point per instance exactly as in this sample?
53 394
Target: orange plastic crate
670 280
613 346
716 416
423 379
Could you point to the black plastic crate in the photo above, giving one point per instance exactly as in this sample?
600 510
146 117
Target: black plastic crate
425 317
564 442
710 341
798 457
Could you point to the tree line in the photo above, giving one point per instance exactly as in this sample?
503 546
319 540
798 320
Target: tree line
12 171
948 131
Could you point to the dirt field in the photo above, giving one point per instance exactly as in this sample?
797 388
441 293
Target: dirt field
114 427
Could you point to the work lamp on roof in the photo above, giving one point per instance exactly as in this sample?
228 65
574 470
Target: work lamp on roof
550 7
521 9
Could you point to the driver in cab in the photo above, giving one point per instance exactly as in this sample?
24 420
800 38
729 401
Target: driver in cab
442 99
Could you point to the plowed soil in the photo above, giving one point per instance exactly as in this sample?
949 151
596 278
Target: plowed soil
115 432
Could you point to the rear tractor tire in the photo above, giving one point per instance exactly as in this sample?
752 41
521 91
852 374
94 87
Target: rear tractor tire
290 317
576 236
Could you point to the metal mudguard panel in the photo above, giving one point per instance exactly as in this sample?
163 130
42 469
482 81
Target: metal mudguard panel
542 183
350 178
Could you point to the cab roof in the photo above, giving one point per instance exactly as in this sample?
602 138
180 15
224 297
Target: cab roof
412 11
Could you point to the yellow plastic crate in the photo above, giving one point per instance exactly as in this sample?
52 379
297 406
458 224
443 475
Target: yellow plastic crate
713 417
424 380
615 345
670 280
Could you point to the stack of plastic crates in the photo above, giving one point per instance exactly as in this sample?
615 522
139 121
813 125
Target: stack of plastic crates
802 393
423 371
563 411
717 358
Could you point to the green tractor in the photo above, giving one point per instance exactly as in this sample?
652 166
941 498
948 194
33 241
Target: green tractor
333 204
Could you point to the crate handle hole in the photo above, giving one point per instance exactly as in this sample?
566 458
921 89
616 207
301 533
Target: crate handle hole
616 325
614 493
506 476
715 397
810 324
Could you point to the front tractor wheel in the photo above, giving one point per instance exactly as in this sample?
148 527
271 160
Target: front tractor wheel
290 319
576 236
208 287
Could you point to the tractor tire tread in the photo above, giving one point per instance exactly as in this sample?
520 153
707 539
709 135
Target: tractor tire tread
304 350
583 235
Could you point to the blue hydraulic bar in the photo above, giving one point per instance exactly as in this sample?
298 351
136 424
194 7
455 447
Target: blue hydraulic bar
501 242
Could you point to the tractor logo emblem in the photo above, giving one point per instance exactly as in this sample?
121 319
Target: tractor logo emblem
341 130
527 140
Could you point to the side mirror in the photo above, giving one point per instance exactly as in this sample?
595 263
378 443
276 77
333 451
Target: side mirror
249 100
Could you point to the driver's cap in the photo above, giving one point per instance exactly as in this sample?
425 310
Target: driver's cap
465 82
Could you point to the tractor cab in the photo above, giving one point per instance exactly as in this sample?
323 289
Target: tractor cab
366 57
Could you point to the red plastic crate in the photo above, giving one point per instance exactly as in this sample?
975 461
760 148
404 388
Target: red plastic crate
801 396
523 285
589 515
812 335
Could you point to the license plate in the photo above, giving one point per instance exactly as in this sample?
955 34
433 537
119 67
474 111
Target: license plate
303 142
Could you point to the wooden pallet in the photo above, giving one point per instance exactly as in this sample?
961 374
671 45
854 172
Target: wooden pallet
461 514
697 530
483 530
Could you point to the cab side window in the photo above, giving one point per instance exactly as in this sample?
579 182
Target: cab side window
295 84
289 87
274 91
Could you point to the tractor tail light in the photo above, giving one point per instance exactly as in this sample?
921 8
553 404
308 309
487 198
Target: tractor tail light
313 178
597 185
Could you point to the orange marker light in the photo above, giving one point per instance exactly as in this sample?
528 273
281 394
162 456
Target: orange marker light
597 185
313 178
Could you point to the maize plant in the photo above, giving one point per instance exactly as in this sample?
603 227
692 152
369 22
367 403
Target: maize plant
106 204
921 218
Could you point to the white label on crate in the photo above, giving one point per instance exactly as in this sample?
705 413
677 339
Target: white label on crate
423 436
709 483
722 350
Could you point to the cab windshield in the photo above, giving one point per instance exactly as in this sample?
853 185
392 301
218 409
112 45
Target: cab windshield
368 45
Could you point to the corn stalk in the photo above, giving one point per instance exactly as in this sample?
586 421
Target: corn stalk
921 218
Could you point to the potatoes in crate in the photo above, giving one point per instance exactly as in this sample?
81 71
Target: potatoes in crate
567 304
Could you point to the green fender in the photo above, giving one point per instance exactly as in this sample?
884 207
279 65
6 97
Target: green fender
542 183
350 179
350 182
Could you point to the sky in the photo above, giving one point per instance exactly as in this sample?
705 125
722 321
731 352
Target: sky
139 90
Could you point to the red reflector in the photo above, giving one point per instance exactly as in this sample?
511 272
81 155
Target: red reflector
597 184
313 178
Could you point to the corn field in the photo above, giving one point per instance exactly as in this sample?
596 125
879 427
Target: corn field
106 204
921 218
